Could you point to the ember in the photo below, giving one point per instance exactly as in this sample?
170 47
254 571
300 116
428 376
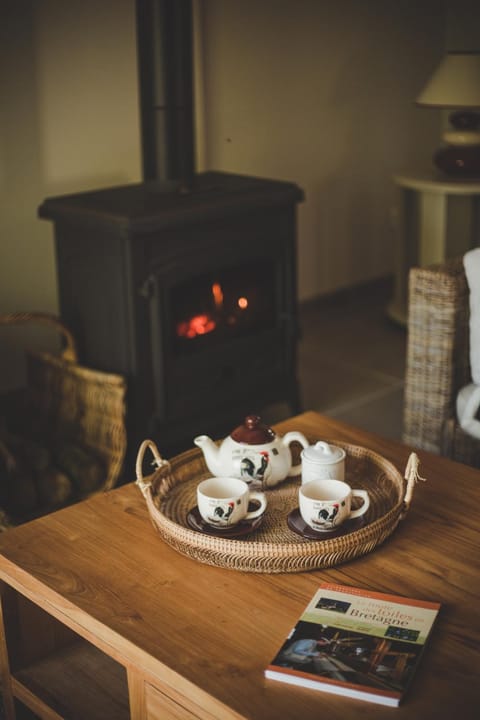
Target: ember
197 325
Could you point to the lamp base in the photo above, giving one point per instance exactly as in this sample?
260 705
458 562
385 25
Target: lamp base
459 160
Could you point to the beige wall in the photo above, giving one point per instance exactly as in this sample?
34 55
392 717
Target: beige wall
68 122
463 25
321 92
315 91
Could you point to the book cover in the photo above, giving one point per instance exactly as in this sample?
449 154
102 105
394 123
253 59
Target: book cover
355 642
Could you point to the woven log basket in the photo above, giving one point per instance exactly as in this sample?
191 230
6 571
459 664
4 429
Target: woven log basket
170 494
83 404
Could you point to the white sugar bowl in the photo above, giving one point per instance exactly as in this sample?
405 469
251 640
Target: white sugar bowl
322 461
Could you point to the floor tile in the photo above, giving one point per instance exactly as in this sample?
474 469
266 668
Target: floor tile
351 360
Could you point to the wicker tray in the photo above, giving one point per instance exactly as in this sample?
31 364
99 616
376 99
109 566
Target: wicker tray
170 494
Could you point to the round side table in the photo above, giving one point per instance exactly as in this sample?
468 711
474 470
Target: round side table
439 218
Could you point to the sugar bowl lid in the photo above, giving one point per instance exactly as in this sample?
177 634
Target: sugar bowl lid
322 452
253 432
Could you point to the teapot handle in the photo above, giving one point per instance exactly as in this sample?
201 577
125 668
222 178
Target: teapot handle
293 436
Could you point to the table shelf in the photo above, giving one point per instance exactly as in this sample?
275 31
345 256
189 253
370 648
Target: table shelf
53 671
76 682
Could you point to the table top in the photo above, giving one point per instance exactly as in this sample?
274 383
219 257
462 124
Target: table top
432 181
209 632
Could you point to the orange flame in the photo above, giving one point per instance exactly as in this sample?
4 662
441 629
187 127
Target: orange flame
217 293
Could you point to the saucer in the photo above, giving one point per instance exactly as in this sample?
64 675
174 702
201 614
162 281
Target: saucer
244 527
298 525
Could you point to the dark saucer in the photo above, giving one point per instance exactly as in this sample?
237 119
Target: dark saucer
244 527
298 525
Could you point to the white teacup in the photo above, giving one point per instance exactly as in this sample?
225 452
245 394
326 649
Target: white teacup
223 501
326 504
323 461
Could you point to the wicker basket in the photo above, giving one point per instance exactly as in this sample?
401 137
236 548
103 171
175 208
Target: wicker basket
170 494
438 361
84 405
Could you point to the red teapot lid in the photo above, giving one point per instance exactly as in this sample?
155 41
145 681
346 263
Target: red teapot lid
253 432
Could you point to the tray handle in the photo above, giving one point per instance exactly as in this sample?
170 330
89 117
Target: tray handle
158 462
69 352
412 476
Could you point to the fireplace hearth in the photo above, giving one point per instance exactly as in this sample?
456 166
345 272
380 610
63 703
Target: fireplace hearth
191 296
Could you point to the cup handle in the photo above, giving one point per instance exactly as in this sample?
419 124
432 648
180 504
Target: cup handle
260 497
366 503
291 437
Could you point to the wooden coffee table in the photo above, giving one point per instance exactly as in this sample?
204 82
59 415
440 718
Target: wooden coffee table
103 619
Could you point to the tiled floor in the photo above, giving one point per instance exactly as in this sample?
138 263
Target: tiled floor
351 360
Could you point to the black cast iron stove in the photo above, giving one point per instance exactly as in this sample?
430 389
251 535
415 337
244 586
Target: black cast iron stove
190 295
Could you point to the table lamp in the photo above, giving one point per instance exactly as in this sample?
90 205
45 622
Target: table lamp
455 85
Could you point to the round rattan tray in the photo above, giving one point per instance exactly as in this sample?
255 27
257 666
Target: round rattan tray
170 494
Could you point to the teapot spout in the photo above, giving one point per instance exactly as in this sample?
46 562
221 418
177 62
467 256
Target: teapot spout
210 452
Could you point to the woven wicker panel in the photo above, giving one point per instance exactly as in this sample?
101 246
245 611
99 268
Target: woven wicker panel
273 548
438 361
437 351
81 404
68 400
460 446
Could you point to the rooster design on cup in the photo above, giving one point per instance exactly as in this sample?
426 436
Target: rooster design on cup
326 516
222 513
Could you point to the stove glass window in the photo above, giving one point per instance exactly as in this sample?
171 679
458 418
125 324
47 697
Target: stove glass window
229 303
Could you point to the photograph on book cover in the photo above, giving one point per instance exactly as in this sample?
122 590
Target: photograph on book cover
356 643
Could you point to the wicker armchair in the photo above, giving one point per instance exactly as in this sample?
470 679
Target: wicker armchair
438 362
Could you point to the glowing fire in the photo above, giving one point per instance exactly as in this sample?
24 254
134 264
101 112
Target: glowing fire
205 323
217 293
196 325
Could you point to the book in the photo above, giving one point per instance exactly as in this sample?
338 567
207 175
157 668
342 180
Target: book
356 642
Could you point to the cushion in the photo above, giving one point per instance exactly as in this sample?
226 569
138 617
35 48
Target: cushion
468 409
471 262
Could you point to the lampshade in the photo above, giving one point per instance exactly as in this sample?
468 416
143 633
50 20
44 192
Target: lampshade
455 83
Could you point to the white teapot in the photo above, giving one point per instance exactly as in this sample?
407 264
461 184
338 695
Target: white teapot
253 452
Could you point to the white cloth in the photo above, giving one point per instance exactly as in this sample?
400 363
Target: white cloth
468 404
471 262
468 399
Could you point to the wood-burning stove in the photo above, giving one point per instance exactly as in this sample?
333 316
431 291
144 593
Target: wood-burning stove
192 296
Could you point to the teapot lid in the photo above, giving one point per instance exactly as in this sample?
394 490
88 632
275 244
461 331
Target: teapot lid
253 432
